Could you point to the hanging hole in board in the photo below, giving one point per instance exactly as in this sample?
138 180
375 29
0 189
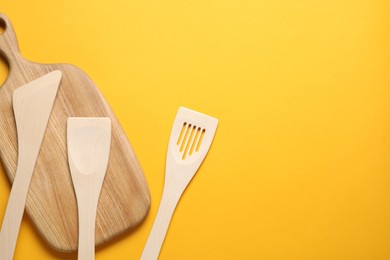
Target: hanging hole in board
4 70
2 26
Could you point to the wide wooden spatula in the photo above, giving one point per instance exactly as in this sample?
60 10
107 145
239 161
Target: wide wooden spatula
32 105
88 153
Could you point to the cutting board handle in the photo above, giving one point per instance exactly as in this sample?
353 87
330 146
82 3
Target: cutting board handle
9 47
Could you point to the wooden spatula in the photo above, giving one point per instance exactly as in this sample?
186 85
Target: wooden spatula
191 137
89 142
51 203
32 105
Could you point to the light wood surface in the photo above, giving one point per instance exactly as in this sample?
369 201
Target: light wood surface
32 105
191 137
51 203
88 142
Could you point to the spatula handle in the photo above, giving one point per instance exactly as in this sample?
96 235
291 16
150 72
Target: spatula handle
14 211
87 218
157 235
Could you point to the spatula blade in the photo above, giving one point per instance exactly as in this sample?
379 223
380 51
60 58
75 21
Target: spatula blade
32 104
191 136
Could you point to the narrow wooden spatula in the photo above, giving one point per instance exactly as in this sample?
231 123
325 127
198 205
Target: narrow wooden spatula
32 105
89 142
191 137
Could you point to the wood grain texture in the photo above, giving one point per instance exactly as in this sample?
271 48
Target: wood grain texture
191 137
88 142
51 203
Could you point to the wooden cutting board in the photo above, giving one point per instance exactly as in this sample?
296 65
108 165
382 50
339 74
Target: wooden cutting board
51 204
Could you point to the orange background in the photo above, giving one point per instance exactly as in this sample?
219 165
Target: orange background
300 166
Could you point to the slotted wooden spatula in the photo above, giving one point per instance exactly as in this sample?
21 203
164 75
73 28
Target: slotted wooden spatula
51 203
88 152
191 137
